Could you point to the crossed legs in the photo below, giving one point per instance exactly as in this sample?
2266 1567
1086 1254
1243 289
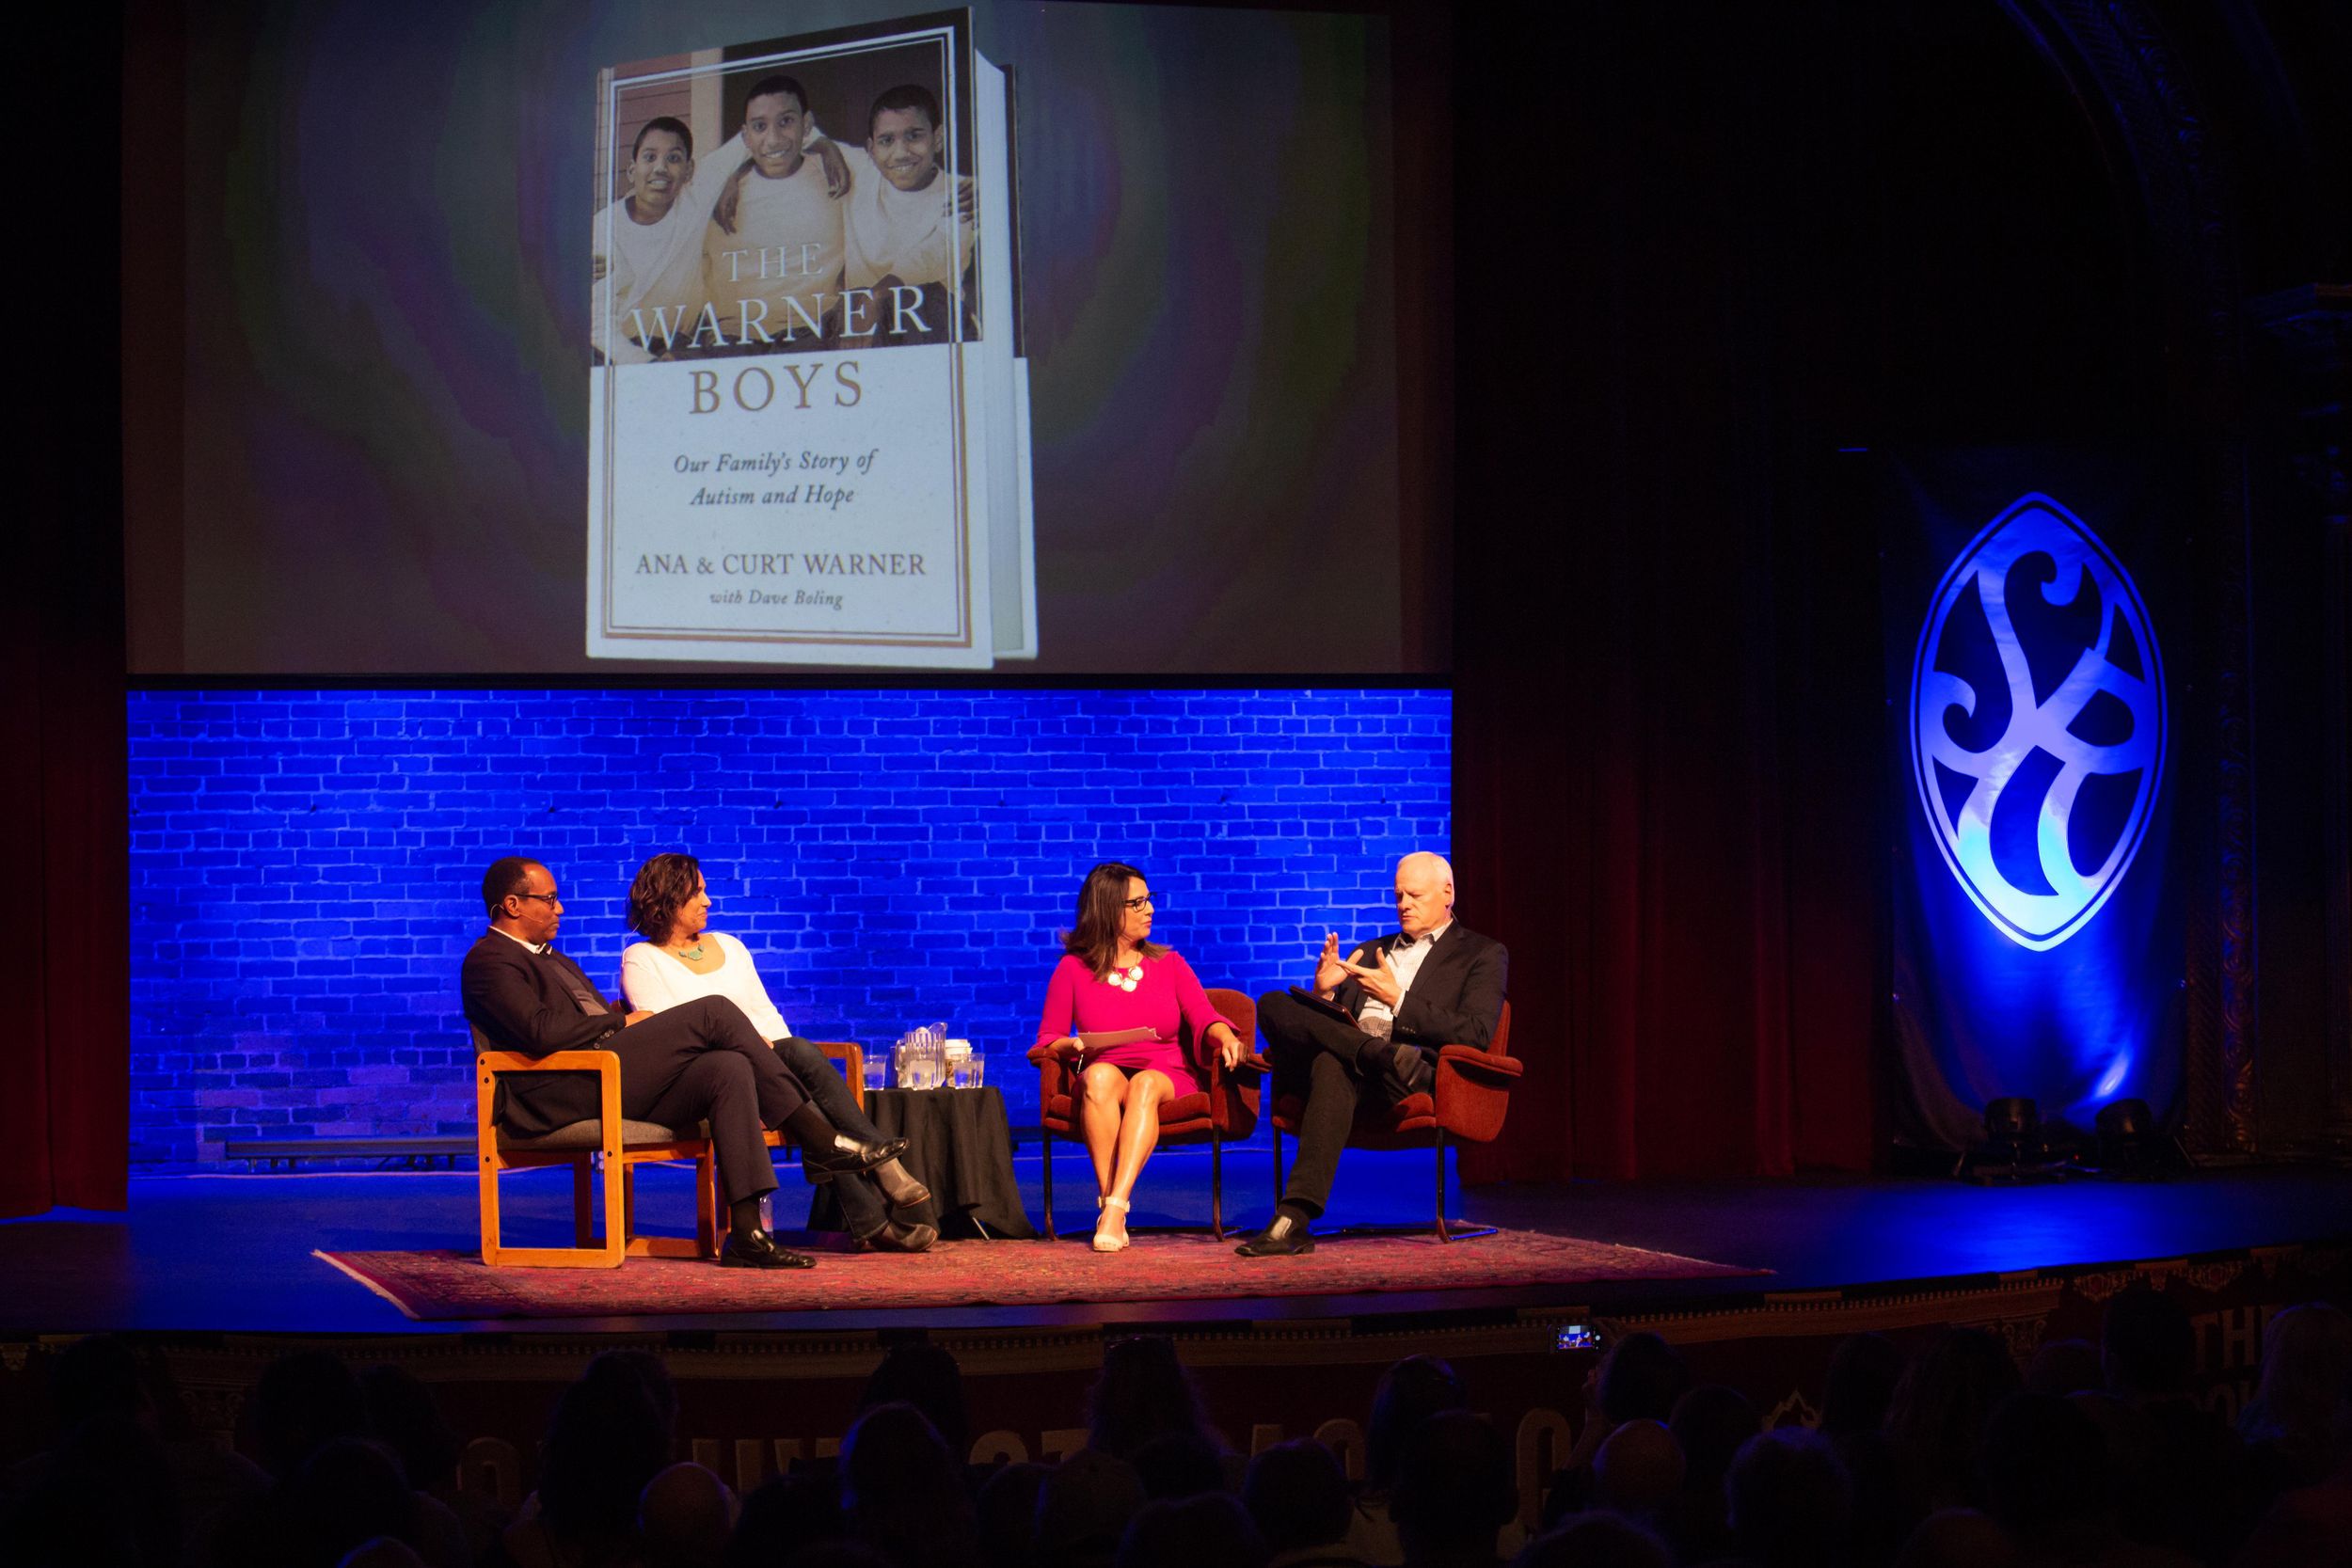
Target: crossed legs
704 1061
1119 1119
1328 1053
867 1198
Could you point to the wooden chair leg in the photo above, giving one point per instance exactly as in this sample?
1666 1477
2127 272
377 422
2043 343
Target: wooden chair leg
710 1215
615 1207
486 1169
1277 1165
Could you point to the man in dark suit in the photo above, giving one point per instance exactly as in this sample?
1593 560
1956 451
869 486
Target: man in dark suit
1390 1004
697 1062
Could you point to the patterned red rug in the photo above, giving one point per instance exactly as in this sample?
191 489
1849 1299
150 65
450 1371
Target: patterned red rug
443 1285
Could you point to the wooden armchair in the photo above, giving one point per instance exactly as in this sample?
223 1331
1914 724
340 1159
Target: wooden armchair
624 1145
1221 1108
1467 1103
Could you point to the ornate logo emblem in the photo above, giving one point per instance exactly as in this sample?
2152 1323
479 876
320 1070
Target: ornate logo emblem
2037 722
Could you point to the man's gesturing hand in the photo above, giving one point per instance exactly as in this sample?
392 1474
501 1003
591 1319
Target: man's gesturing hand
1380 984
1330 973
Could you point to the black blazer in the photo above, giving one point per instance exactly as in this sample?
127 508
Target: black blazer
517 1000
1456 998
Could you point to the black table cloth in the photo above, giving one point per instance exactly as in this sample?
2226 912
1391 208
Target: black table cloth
959 1146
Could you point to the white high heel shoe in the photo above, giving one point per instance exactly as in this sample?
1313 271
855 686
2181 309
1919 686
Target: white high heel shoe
1109 1244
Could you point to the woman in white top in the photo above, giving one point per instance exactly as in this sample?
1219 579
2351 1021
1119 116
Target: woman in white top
682 959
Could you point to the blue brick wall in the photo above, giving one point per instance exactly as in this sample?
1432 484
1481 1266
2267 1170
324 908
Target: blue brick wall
305 865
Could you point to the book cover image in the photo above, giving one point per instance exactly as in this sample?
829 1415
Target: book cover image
807 444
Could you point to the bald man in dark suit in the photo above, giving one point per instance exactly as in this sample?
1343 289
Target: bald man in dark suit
1386 1008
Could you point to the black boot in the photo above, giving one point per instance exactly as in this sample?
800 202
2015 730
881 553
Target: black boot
897 1236
826 1153
900 1186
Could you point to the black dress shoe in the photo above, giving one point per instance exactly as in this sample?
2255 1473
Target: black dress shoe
1284 1237
848 1157
757 1249
899 1236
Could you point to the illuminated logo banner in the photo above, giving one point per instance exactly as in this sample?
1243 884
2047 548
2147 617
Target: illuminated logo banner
2037 937
2037 722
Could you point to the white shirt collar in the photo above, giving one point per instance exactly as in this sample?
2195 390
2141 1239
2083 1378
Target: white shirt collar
1431 936
519 942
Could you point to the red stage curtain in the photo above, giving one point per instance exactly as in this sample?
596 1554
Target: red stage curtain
1657 814
65 1071
1669 722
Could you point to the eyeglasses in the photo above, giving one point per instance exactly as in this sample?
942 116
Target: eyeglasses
550 897
1151 898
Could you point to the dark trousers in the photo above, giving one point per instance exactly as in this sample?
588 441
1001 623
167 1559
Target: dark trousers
863 1210
703 1061
1309 1045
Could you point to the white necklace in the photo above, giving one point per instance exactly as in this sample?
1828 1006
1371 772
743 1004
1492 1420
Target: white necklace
1125 979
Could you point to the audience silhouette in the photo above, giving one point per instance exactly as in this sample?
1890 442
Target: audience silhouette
1943 1459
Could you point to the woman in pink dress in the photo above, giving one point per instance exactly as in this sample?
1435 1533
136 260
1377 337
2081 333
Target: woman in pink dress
1115 978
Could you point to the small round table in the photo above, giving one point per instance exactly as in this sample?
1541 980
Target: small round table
959 1147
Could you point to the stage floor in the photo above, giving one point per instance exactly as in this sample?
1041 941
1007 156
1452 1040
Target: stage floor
233 1253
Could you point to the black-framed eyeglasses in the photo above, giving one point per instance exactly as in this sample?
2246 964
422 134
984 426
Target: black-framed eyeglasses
550 897
1152 898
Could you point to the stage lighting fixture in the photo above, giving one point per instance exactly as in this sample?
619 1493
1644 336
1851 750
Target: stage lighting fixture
2126 1118
2130 1141
2014 1148
2012 1126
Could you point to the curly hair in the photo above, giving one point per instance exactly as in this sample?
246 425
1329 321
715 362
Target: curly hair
1101 908
663 885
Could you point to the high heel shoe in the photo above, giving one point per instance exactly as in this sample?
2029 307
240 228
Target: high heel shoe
898 1186
1111 1243
846 1156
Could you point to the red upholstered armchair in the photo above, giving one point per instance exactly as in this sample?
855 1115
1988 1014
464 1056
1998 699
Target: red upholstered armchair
1468 1102
1224 1112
